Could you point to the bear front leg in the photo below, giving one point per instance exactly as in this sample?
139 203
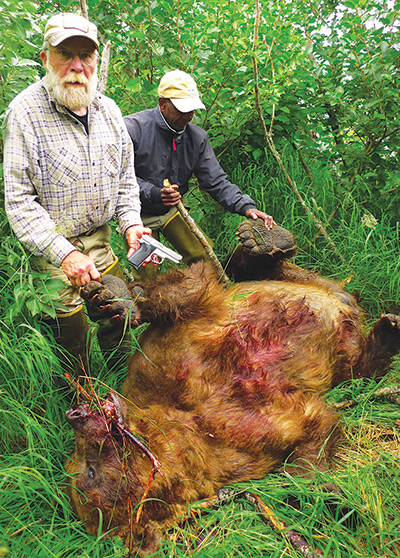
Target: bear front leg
142 541
383 342
109 303
110 299
260 252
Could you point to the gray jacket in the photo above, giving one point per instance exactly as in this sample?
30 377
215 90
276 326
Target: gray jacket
161 153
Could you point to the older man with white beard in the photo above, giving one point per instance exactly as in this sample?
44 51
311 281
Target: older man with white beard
68 169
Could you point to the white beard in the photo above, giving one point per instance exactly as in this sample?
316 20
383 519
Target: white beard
71 97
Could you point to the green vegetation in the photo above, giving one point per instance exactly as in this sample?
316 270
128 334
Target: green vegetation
328 78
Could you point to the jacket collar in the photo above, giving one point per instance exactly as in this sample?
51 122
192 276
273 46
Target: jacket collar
164 124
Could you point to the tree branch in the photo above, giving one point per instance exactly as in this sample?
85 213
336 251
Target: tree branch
191 223
105 60
268 137
84 9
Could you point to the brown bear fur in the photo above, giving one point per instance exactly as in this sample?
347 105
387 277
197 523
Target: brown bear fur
228 384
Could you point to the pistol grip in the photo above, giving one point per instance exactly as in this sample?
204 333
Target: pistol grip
141 254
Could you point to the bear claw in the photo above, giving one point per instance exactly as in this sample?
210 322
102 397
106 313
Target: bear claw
108 299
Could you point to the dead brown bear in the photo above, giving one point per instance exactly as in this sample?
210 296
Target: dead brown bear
228 384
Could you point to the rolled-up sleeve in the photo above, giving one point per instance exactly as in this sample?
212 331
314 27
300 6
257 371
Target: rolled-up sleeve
128 206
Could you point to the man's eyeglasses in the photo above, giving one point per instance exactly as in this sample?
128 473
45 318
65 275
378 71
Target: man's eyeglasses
66 56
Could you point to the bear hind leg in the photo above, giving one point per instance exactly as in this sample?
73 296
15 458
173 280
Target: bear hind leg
315 450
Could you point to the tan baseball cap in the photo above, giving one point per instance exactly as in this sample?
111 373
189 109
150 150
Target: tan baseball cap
66 25
181 89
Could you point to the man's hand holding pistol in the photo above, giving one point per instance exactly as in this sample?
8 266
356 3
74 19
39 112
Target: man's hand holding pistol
153 249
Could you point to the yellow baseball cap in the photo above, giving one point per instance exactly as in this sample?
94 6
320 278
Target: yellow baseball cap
181 89
66 25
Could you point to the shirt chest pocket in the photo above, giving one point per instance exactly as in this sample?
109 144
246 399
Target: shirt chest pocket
63 166
111 160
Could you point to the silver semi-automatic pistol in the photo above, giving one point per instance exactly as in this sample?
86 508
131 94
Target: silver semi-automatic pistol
150 247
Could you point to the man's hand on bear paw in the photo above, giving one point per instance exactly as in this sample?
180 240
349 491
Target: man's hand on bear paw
108 299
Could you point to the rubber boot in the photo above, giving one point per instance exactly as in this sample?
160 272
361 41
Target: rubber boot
71 331
184 241
115 344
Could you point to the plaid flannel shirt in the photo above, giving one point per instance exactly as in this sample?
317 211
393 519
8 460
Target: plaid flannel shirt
61 182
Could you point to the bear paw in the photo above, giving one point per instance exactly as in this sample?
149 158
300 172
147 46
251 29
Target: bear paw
108 299
257 240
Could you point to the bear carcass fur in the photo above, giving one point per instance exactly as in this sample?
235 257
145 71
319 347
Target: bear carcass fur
227 385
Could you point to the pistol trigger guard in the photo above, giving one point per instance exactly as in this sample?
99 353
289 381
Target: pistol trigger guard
156 260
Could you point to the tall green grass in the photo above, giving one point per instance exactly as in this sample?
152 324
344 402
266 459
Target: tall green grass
366 249
35 440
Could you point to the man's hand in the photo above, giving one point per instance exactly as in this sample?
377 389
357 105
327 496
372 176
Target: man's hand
133 234
170 195
256 214
79 268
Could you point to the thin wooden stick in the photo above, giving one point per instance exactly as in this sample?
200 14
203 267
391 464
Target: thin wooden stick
267 515
226 495
19 531
191 223
391 393
105 61
143 498
84 9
